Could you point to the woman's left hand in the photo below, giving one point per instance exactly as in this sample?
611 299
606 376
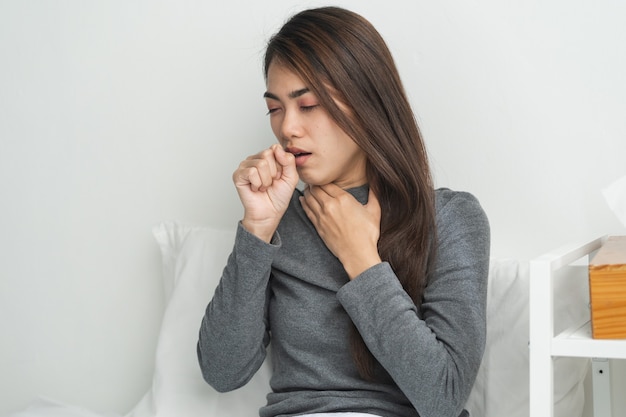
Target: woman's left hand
348 228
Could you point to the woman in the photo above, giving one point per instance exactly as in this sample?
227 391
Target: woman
369 283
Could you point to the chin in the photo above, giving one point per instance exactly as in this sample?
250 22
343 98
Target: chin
312 181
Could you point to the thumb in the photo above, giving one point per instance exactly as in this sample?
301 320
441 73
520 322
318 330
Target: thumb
287 163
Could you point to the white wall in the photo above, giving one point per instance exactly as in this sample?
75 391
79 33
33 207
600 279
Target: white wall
115 115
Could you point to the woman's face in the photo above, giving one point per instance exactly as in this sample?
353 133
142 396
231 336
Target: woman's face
324 152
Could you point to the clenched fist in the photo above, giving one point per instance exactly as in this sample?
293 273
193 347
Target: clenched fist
265 183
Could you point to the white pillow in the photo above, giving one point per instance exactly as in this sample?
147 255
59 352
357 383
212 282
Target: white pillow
44 407
193 259
502 385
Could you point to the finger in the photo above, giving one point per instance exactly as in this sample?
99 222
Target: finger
262 166
286 161
333 190
319 193
317 200
331 193
308 196
279 154
272 164
249 175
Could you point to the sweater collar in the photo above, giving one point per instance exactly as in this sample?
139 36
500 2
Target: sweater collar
361 193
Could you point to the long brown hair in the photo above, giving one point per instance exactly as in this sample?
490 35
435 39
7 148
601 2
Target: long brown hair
343 59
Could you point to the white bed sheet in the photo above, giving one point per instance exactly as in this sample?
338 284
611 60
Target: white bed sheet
193 258
44 407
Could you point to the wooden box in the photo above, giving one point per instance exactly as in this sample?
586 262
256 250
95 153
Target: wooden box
607 290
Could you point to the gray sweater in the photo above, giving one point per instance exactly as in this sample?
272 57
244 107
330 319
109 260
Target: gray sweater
296 294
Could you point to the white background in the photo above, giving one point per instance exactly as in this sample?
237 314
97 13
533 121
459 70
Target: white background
116 115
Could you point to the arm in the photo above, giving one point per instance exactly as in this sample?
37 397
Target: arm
433 354
234 331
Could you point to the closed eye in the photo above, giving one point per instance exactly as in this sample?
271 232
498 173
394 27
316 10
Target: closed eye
273 110
308 108
303 109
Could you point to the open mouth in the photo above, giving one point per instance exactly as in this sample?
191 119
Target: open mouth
300 155
297 152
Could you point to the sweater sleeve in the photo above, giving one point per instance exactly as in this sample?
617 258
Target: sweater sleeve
234 331
432 354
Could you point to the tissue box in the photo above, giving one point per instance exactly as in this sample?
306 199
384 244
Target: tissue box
607 290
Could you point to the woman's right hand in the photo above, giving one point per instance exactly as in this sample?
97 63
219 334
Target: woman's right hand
265 183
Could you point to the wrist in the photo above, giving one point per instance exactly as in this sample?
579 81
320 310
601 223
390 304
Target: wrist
356 266
263 230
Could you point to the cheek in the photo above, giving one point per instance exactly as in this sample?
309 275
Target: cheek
275 126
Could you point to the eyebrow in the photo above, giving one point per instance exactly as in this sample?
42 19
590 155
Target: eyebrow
293 94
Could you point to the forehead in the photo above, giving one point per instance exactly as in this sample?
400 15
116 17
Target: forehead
281 78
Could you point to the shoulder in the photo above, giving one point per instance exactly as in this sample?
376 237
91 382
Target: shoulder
450 204
463 241
460 215
445 196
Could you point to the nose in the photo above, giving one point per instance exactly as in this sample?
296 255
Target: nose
291 125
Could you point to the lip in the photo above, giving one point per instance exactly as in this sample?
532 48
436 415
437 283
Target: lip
300 154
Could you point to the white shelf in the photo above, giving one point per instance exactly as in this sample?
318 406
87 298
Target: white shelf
573 342
578 342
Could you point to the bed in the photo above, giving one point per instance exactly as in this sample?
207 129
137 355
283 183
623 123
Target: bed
192 259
